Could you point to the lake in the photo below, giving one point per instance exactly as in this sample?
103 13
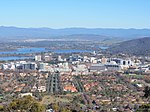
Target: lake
37 50
71 51
14 58
25 51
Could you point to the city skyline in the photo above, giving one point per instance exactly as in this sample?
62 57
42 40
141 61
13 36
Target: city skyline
76 13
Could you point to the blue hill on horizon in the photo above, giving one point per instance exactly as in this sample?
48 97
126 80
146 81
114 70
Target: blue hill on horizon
25 33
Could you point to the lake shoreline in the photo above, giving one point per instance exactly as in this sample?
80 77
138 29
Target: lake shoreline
26 52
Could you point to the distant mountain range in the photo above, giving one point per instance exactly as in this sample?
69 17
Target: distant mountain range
80 33
135 47
129 41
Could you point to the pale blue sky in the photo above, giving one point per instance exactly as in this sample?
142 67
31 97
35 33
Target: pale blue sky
75 13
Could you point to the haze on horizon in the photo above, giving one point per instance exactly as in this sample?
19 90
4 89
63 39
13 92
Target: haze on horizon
75 13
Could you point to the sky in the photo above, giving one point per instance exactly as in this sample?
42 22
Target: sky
75 13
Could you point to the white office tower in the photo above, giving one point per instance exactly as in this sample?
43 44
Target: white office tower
38 58
59 58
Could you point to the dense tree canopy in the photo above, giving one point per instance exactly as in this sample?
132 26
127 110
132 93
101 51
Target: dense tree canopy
147 92
144 108
25 104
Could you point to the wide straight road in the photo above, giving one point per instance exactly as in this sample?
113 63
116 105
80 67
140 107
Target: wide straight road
53 85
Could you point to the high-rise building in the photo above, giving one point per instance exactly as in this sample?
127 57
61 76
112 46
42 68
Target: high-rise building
38 58
103 60
29 66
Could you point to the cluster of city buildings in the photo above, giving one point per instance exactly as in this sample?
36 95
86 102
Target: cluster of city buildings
106 80
77 64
